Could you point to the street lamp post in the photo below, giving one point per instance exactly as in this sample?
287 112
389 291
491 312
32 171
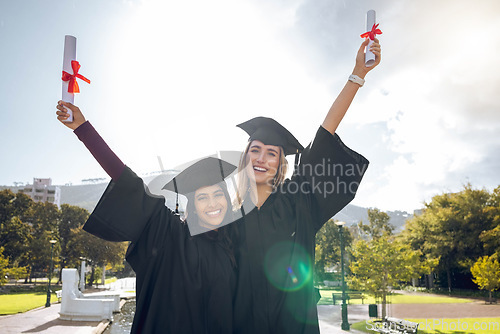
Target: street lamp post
52 242
82 274
345 323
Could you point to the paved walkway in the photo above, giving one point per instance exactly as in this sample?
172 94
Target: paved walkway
476 309
46 320
330 317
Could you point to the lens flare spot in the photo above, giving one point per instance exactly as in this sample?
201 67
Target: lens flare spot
292 275
288 266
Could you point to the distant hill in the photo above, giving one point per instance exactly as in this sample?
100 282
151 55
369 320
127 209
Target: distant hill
353 214
87 195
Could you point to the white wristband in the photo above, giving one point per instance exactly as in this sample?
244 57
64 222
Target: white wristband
354 78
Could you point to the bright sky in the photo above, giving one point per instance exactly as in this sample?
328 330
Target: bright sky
173 78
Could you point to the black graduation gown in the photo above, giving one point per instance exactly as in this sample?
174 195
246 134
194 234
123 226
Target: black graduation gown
275 292
184 284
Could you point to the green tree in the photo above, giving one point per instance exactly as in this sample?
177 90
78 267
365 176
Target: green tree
328 247
16 237
12 205
44 220
486 272
4 263
7 271
491 238
96 251
15 234
495 198
72 218
381 263
378 225
449 229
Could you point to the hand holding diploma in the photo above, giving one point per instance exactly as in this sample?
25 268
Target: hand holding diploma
370 34
63 114
361 69
70 73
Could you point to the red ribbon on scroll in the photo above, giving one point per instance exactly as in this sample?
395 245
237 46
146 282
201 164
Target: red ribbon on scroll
73 85
372 33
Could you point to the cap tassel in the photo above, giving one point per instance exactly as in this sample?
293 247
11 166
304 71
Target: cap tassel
177 205
296 164
176 198
221 170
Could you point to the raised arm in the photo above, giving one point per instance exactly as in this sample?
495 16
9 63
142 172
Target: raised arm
344 99
91 139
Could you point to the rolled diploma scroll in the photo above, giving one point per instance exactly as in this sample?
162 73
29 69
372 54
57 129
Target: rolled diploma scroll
69 55
370 21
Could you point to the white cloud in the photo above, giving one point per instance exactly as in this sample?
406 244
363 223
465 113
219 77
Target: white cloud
174 78
437 90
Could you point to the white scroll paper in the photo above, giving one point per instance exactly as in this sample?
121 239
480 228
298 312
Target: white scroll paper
370 21
69 55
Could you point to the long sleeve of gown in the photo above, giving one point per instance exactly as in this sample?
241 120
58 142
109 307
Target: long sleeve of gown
125 208
108 160
332 172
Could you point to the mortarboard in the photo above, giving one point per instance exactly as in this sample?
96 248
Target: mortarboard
270 132
205 172
217 169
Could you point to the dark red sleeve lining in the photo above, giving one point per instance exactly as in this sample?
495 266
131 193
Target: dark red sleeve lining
108 160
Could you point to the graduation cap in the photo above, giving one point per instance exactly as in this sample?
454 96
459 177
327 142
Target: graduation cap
205 172
270 132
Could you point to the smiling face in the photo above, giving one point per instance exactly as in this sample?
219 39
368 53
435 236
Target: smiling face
265 161
210 205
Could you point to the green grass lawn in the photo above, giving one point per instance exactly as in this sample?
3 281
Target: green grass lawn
110 280
326 299
23 301
458 326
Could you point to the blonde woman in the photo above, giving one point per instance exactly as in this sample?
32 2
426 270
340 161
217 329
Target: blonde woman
275 292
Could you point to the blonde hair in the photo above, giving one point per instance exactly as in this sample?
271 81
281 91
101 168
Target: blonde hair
245 187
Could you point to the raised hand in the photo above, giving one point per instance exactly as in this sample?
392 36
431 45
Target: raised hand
360 69
62 114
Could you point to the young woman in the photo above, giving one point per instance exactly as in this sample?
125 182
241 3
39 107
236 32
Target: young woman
185 281
275 292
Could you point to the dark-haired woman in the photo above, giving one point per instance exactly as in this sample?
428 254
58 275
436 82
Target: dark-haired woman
185 272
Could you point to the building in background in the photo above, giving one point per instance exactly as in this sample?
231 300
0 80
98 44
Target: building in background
42 190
